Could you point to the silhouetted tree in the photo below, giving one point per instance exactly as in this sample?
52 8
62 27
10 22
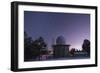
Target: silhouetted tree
72 51
33 49
27 47
86 46
38 47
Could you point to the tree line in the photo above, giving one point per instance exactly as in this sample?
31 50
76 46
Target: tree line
33 49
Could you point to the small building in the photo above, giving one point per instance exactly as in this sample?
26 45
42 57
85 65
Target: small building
60 49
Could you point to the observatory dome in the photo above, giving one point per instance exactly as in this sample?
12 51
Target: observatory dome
60 40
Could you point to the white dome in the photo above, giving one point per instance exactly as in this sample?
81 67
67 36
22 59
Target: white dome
60 40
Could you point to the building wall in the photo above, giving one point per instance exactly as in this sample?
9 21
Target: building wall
61 50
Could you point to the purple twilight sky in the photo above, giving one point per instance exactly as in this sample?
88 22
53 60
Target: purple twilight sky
73 27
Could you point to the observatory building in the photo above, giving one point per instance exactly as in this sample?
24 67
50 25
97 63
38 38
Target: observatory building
60 49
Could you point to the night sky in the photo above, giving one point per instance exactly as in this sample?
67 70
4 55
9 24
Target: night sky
73 27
